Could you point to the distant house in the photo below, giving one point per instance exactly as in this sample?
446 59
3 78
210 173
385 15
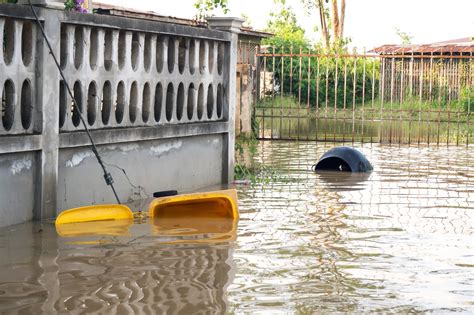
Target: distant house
430 71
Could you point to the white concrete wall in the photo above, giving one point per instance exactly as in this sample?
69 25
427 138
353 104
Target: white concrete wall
142 86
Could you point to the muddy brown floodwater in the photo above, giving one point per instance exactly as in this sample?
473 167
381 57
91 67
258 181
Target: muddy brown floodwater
399 239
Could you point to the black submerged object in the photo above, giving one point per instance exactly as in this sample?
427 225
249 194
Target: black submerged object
343 159
165 193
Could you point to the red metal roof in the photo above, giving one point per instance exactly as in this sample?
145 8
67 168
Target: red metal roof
462 45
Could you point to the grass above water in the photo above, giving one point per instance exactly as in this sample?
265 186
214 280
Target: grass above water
247 170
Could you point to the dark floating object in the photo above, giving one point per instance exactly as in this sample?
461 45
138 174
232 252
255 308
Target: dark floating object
165 193
343 159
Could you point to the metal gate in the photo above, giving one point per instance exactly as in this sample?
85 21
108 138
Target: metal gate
387 97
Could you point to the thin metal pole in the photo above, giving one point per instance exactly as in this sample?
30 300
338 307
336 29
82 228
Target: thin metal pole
363 96
326 101
420 99
282 91
430 97
392 90
458 88
308 97
291 91
440 71
264 95
256 90
299 96
470 84
373 97
354 100
335 100
401 110
317 97
411 99
382 92
449 77
345 101
273 92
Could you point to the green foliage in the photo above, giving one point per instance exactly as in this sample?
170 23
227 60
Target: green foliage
465 102
205 7
255 173
322 78
284 25
243 143
247 22
9 1
404 37
245 167
69 5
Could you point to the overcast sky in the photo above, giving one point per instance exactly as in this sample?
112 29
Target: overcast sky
369 23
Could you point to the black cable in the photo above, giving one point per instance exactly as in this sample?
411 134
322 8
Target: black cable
107 176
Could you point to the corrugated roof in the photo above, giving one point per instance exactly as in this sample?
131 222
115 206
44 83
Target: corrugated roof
462 46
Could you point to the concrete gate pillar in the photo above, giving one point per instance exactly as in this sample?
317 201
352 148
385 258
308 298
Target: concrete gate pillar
232 25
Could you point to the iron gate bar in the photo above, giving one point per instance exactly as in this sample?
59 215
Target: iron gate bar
381 56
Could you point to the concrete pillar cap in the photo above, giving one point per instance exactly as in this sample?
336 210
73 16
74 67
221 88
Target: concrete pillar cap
228 24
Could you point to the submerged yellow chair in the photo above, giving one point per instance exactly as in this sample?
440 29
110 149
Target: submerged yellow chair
215 204
94 220
94 213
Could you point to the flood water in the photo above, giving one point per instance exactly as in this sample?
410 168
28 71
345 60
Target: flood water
399 239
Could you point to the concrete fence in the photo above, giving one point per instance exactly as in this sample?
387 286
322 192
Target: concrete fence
159 99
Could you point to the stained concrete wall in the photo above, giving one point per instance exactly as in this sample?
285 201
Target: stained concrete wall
17 187
159 100
139 169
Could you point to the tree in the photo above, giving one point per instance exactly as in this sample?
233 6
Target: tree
247 22
204 7
332 14
284 25
404 37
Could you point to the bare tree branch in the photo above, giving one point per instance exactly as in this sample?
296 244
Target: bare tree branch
335 20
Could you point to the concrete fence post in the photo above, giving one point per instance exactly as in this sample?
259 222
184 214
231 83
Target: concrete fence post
232 25
47 95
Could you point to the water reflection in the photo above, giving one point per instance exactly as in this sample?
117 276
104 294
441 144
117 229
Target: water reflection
127 272
95 228
188 229
343 181
368 129
388 241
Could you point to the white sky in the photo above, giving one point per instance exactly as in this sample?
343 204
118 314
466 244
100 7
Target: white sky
369 23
